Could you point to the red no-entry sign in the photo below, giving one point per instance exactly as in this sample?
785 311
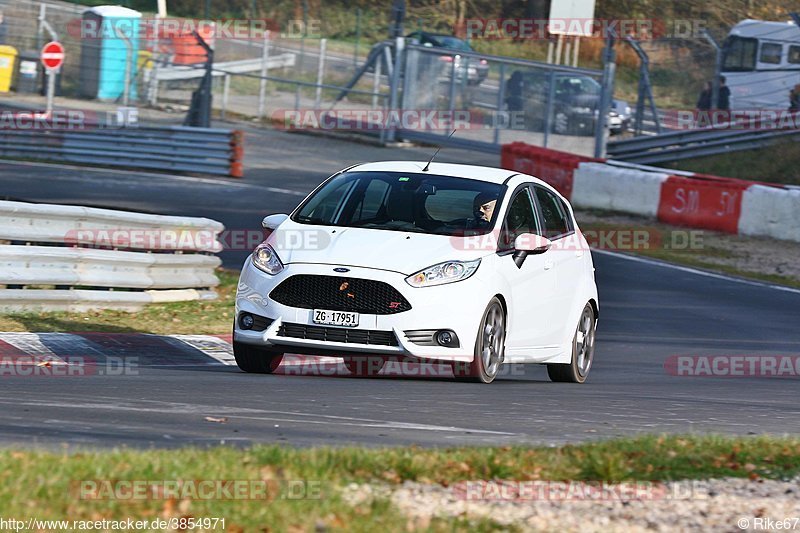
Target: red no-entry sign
52 55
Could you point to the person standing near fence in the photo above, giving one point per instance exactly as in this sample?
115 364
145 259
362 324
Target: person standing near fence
704 102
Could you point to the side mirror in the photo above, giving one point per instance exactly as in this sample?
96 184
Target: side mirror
532 243
271 222
529 244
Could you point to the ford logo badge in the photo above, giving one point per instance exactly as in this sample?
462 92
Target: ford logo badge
341 269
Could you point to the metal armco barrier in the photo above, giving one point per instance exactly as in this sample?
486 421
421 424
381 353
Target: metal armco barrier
688 199
75 258
177 149
677 145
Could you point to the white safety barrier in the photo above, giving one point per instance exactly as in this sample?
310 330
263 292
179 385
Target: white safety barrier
771 212
69 225
602 186
673 197
100 258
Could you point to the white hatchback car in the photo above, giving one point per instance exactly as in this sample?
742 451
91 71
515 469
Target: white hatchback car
471 265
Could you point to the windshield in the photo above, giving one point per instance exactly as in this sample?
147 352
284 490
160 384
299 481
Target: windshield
423 203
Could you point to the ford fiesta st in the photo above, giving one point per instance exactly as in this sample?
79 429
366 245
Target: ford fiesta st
471 265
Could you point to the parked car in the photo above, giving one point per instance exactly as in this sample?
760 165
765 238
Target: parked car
475 69
466 265
576 100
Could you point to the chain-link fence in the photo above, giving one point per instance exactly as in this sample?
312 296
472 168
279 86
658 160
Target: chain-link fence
503 100
292 76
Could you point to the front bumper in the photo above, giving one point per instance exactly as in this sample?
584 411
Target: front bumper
455 306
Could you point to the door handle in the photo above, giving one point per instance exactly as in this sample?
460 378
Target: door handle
548 264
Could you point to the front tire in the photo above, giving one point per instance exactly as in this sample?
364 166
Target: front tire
255 360
489 347
582 351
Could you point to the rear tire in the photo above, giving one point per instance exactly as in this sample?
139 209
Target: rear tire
364 366
582 351
489 347
255 360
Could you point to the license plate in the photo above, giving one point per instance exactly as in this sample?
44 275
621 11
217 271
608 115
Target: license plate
335 318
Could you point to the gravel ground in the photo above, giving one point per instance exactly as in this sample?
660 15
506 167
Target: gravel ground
748 254
723 505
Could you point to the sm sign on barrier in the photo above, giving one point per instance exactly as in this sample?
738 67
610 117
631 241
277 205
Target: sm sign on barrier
702 202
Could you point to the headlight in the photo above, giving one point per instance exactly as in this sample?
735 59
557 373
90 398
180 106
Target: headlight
442 273
265 258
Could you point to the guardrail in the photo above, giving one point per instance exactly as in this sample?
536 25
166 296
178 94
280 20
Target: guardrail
77 258
190 72
720 139
176 148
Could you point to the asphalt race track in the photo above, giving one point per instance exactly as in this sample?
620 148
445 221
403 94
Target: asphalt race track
649 313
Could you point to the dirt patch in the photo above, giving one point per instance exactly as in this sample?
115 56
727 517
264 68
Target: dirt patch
760 258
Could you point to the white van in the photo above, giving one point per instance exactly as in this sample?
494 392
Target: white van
761 63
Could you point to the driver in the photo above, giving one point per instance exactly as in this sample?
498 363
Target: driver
483 207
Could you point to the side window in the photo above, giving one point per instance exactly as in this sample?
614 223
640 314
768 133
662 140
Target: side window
519 219
770 53
739 54
555 214
794 54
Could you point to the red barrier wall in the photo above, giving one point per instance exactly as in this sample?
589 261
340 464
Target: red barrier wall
702 202
551 166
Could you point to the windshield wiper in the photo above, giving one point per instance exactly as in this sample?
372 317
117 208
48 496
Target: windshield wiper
312 220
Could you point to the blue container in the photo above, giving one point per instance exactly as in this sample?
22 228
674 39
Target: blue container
104 52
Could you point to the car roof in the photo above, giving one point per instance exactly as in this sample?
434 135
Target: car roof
473 172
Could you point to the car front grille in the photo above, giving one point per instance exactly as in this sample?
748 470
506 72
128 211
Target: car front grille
337 293
345 335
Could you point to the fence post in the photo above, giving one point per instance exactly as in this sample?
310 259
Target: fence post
126 89
609 71
452 94
262 90
320 73
551 96
40 29
394 97
501 96
152 89
376 82
358 37
226 87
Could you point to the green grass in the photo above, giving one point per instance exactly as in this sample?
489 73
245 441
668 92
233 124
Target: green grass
47 484
779 163
193 317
